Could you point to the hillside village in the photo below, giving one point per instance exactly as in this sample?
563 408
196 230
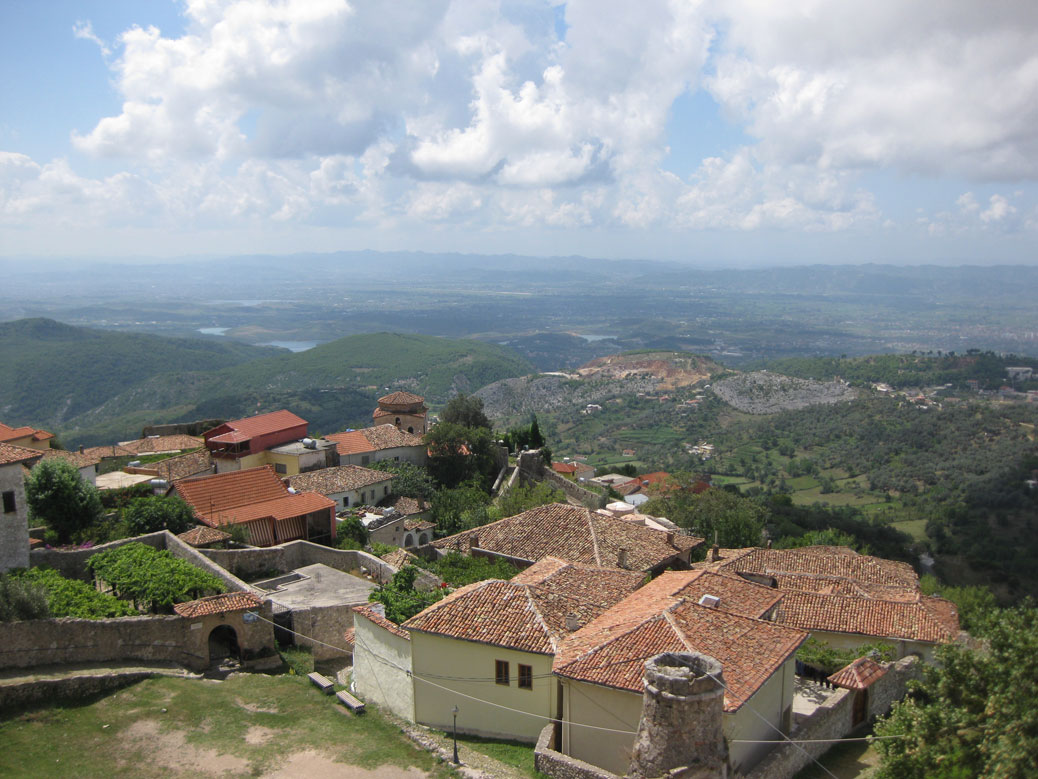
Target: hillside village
551 653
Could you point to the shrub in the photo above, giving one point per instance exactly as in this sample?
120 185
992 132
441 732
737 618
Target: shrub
152 578
21 598
74 598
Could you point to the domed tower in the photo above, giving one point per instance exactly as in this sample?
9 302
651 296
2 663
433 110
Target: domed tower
404 410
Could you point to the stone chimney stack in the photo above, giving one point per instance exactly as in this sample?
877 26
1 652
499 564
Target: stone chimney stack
680 734
621 558
572 622
715 553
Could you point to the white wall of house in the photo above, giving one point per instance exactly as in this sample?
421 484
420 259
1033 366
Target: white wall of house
408 454
367 496
774 701
381 664
14 525
471 667
88 473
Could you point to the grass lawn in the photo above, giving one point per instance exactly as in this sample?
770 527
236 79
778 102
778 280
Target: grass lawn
814 495
914 527
802 482
248 725
511 753
722 480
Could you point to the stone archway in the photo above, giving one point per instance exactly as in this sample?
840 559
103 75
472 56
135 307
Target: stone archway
223 643
408 540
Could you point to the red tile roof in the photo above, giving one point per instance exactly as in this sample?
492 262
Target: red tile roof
202 536
404 505
107 452
78 459
575 534
183 466
612 649
914 621
9 454
250 427
13 433
735 594
564 467
838 562
218 604
401 398
341 478
372 439
369 613
242 496
162 443
859 674
528 615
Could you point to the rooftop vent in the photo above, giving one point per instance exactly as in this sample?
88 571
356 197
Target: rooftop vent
710 601
572 622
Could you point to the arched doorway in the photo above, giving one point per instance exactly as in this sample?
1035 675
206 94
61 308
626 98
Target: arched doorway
408 540
223 643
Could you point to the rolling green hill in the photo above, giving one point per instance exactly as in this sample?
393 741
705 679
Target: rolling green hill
95 387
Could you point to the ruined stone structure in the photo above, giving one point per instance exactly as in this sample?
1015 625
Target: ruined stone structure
680 733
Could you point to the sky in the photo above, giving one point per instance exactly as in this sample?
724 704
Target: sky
742 132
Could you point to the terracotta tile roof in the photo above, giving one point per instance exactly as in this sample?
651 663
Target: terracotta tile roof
564 467
202 536
655 479
162 443
399 558
388 437
859 674
218 604
341 478
913 621
8 433
41 435
418 524
528 615
400 398
574 534
34 543
350 637
250 427
737 596
612 649
242 496
832 561
372 439
107 452
9 454
404 505
78 459
382 622
833 585
183 466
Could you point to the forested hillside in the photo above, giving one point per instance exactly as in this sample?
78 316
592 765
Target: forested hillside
96 387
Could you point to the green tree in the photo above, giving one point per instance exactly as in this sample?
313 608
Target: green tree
400 597
827 537
461 508
458 570
410 480
22 598
148 515
58 496
520 499
151 578
973 714
351 534
730 518
465 410
458 454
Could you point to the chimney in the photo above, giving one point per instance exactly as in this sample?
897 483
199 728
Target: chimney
572 622
81 448
621 558
670 538
715 553
680 733
769 543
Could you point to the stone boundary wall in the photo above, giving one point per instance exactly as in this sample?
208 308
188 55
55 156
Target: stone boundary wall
69 641
555 764
326 624
257 563
532 468
833 720
183 428
24 694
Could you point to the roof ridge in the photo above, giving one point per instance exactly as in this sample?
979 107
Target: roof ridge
594 537
539 617
674 626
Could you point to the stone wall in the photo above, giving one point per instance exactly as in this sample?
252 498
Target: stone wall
532 468
327 625
833 720
15 696
146 639
14 525
260 563
555 764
